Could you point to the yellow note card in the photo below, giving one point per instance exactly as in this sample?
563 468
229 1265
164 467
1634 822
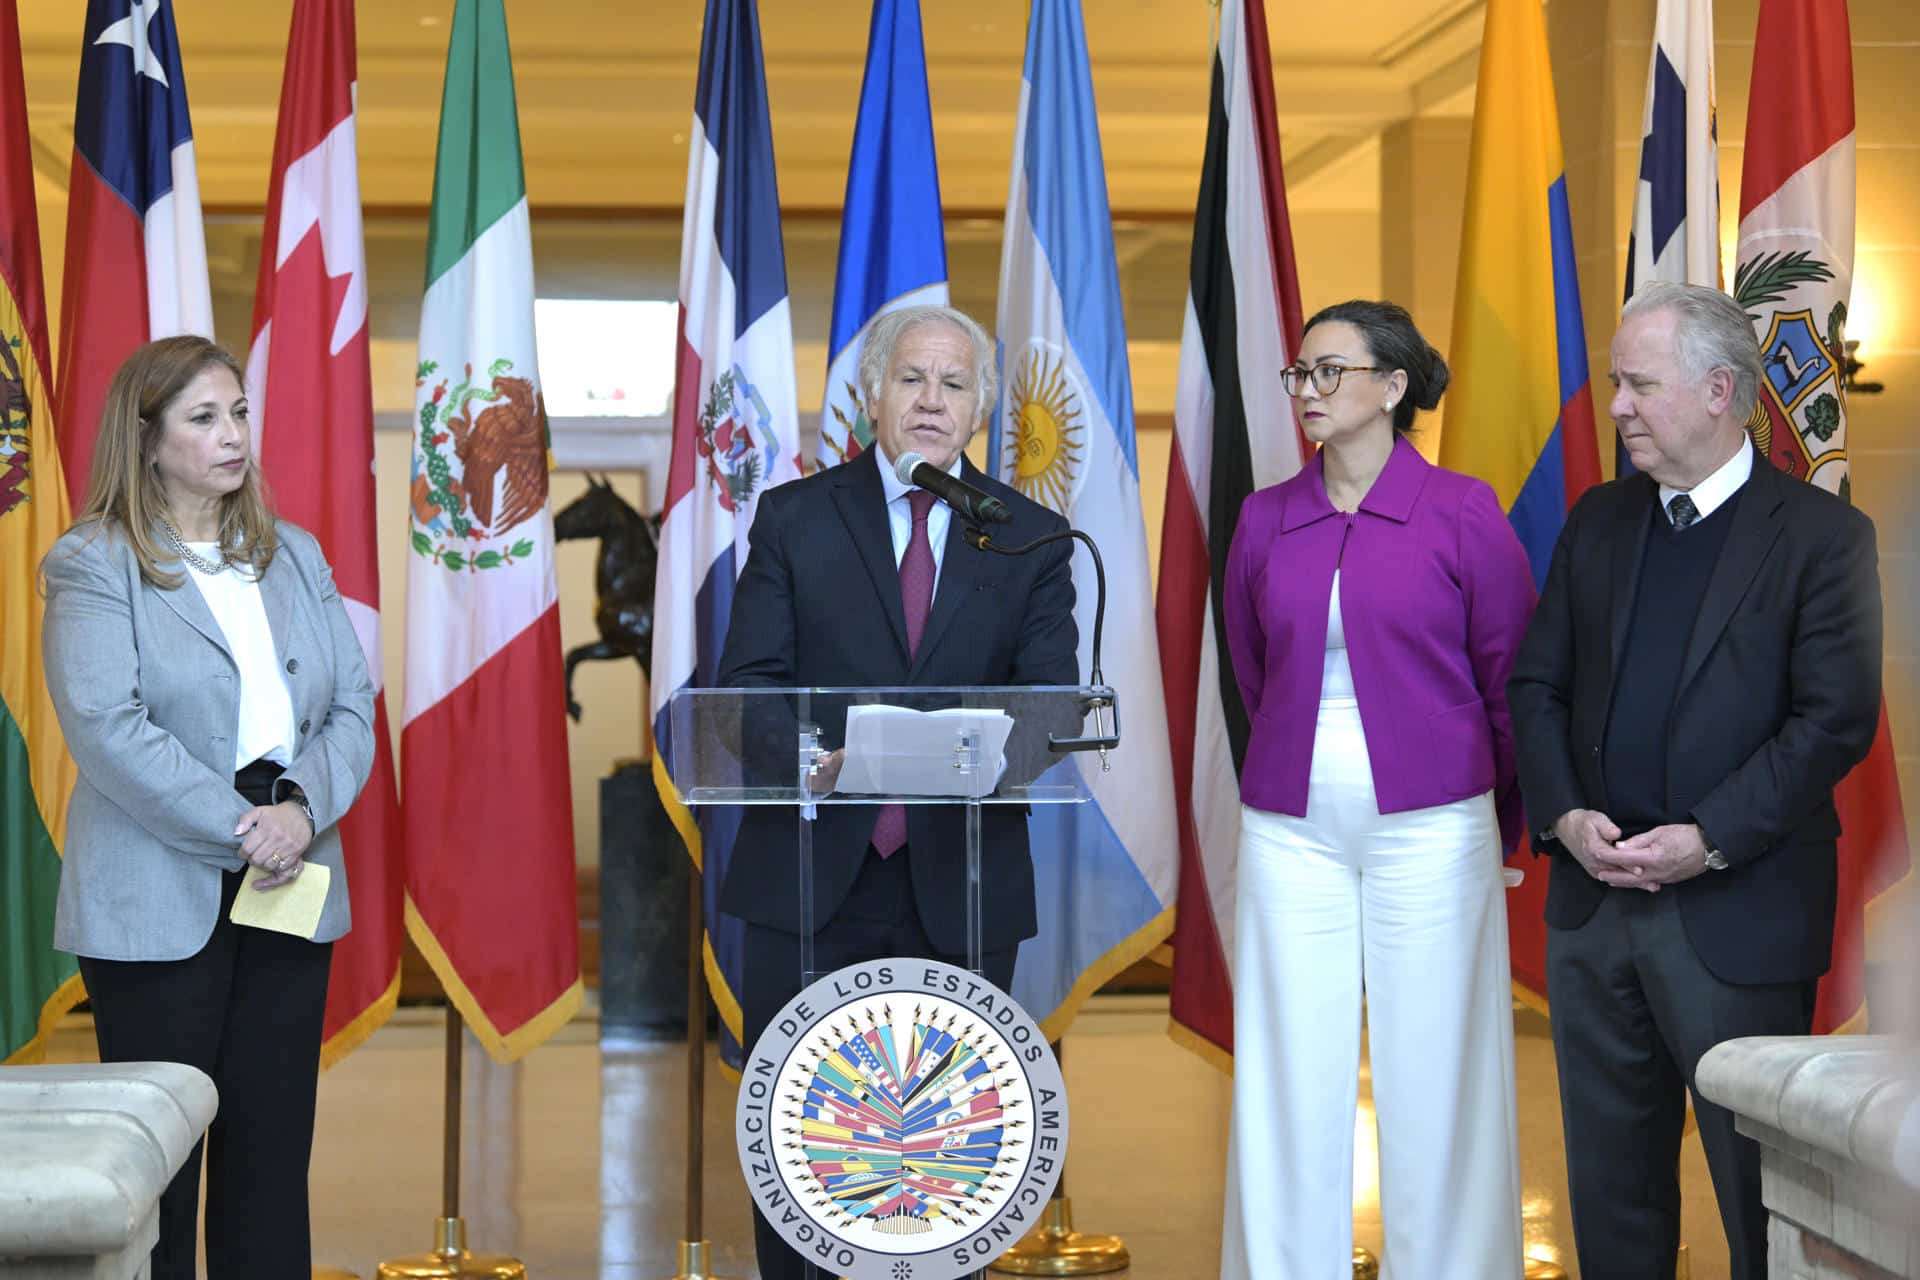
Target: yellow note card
292 908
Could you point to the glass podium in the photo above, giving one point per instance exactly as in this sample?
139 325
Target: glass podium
890 1138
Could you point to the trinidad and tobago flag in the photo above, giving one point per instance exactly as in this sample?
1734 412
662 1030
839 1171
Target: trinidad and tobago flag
136 254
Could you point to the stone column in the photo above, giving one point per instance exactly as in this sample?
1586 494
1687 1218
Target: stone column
88 1150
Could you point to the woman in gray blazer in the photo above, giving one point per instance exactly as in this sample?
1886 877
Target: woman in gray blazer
218 704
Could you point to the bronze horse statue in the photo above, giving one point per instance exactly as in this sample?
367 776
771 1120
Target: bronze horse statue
623 578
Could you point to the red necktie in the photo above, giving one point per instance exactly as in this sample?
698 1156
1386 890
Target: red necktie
916 594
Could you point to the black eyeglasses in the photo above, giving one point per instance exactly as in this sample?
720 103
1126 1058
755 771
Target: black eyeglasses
1326 377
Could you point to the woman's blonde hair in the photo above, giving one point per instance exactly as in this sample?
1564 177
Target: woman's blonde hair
124 492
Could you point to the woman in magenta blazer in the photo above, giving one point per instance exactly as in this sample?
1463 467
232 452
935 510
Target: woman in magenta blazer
1374 604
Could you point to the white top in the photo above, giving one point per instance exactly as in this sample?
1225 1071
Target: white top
1336 678
266 708
1710 493
900 513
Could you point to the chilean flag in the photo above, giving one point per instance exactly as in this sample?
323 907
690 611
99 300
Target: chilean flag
310 387
136 253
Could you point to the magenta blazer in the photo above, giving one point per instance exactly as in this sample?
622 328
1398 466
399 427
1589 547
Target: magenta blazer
1435 595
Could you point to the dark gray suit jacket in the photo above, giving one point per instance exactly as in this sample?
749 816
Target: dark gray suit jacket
149 700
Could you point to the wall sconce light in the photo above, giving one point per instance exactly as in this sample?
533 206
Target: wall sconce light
1850 372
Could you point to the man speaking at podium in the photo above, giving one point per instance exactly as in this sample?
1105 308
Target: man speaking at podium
854 578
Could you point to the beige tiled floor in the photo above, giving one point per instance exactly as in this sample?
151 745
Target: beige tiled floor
575 1160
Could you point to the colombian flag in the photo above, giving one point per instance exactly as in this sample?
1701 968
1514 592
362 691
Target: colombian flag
1520 410
37 983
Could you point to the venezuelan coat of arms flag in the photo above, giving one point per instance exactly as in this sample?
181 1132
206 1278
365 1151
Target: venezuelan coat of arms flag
487 805
1233 432
1675 233
310 389
893 246
736 426
1519 410
1063 435
136 266
37 983
1794 278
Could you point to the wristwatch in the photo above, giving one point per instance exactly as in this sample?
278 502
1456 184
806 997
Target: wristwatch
299 797
1716 860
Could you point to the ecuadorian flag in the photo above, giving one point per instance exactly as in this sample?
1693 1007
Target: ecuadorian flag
1520 409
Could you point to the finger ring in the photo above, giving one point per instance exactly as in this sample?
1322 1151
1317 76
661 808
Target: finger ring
278 863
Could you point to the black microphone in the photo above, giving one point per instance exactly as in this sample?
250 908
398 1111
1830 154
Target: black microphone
975 504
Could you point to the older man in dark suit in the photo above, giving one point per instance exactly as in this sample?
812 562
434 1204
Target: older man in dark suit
854 578
1703 668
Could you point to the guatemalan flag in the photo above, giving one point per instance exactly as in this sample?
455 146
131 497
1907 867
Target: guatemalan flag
1676 203
1063 436
893 249
1519 413
735 424
136 252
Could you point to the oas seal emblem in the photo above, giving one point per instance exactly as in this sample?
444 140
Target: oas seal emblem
902 1120
1045 429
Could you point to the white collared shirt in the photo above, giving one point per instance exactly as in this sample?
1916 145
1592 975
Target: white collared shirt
1713 492
900 513
266 708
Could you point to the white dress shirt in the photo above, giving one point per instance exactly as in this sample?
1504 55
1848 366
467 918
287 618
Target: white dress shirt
1713 492
900 513
266 709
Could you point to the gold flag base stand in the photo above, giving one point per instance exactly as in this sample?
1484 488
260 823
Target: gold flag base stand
451 1261
1054 1248
1541 1269
695 1257
1364 1267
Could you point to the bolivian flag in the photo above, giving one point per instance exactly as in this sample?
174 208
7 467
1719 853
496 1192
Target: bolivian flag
37 983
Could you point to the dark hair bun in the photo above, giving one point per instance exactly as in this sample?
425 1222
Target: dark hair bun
1427 394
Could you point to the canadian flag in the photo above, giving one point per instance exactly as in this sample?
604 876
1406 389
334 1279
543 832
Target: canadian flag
310 386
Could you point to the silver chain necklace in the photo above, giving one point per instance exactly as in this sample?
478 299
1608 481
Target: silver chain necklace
188 554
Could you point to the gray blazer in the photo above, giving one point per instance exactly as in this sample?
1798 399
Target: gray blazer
148 697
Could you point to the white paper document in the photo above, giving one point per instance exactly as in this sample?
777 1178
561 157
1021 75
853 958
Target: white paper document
897 751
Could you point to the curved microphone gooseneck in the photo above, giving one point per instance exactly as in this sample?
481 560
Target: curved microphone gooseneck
1100 695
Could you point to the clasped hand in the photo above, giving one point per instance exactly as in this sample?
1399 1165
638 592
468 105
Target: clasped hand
275 838
1662 856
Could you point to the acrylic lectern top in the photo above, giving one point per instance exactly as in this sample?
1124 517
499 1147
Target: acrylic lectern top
908 745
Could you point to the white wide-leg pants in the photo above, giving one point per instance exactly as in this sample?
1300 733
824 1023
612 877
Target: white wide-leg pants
1413 906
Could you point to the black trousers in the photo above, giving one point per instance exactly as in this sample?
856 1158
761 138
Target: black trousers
879 919
1634 1010
246 1010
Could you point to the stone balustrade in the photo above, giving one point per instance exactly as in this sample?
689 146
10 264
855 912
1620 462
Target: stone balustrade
85 1152
1838 1122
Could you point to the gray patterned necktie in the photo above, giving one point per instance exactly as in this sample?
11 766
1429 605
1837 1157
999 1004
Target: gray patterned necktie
1682 511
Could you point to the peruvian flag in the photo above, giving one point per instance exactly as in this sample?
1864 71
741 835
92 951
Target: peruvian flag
1794 278
309 384
136 253
1233 432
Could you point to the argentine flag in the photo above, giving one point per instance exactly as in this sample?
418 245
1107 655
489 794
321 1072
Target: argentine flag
1063 435
893 249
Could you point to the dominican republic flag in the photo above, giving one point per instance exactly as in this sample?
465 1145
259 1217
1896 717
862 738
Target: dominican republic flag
893 248
1233 432
1519 411
1676 203
736 426
310 388
1063 436
136 253
1794 277
487 806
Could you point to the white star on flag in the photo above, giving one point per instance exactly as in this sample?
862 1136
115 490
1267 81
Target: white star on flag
131 31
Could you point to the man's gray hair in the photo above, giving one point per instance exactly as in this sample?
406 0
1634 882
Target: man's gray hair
885 334
1711 331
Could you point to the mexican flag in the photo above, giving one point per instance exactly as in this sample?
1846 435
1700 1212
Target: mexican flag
483 751
37 983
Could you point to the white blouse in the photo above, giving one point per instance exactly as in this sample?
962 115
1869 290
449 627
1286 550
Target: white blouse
266 708
1336 677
